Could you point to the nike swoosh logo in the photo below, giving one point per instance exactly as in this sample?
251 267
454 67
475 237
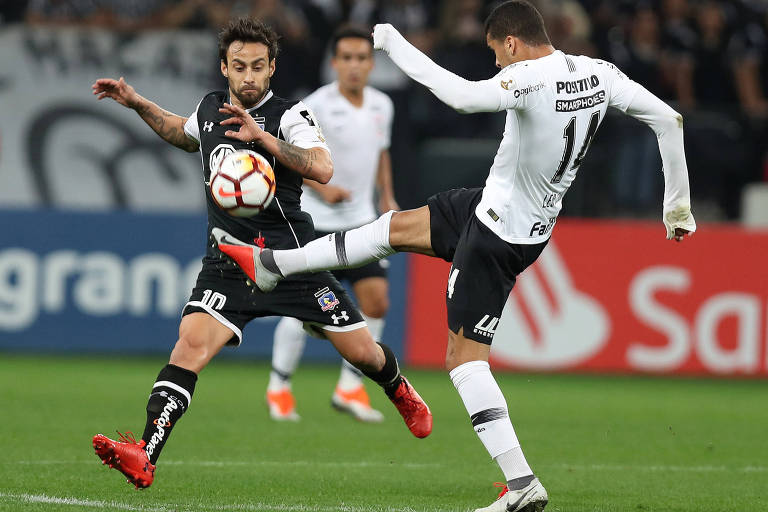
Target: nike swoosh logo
225 240
237 193
513 507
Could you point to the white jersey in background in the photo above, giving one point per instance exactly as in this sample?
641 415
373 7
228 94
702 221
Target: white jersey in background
554 106
356 137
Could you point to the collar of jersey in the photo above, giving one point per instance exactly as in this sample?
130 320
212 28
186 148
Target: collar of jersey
266 99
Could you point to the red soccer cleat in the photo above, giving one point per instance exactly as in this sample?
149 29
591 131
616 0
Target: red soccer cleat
127 456
250 259
413 409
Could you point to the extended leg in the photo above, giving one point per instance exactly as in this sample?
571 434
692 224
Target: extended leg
394 231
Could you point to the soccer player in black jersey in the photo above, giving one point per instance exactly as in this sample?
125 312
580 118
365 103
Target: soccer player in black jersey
223 301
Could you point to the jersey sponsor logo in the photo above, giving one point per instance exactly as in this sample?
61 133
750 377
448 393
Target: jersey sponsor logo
217 155
580 103
486 326
327 299
529 89
574 86
507 84
541 229
163 422
342 316
208 126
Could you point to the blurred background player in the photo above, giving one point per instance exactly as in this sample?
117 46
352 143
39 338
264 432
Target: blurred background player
357 119
222 302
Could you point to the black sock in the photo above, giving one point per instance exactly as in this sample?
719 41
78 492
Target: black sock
389 376
170 398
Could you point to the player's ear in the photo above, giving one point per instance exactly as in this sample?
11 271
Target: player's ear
510 44
271 68
224 70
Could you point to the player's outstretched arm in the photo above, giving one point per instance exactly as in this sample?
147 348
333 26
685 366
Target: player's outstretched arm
668 126
312 163
456 92
166 124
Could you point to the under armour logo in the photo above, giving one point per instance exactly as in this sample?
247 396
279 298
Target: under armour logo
342 316
208 126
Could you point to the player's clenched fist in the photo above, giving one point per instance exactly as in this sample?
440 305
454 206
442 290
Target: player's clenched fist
381 34
118 90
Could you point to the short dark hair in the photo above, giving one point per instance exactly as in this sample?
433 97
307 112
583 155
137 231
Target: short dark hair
350 31
247 30
517 18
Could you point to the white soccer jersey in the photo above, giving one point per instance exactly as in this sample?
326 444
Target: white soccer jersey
554 106
356 136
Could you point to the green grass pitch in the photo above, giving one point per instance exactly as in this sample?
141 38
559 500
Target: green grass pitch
597 443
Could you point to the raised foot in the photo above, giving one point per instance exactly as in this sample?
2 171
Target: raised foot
249 258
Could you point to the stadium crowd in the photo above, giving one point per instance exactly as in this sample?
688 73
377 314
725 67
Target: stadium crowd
708 58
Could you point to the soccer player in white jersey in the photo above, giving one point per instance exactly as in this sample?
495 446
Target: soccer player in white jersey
554 104
357 120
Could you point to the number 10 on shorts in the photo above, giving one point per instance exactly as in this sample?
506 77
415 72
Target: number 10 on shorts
452 280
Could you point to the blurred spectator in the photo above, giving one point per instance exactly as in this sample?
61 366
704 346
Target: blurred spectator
638 177
749 46
460 47
568 26
12 11
65 12
706 77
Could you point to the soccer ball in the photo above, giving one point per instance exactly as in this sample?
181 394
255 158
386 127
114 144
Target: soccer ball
244 183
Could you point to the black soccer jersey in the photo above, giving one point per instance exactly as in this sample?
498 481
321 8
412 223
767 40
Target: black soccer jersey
283 225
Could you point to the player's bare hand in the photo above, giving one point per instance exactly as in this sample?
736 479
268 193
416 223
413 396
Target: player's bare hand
680 234
332 194
118 90
248 130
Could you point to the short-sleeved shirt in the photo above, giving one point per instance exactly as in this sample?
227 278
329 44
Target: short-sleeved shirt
554 106
282 224
356 136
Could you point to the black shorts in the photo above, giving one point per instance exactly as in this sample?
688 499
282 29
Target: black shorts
223 292
484 268
353 275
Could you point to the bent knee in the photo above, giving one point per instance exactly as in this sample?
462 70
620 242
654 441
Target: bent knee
364 356
192 345
375 307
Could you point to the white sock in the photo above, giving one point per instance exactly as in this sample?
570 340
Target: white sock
287 347
346 249
487 409
350 377
375 325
